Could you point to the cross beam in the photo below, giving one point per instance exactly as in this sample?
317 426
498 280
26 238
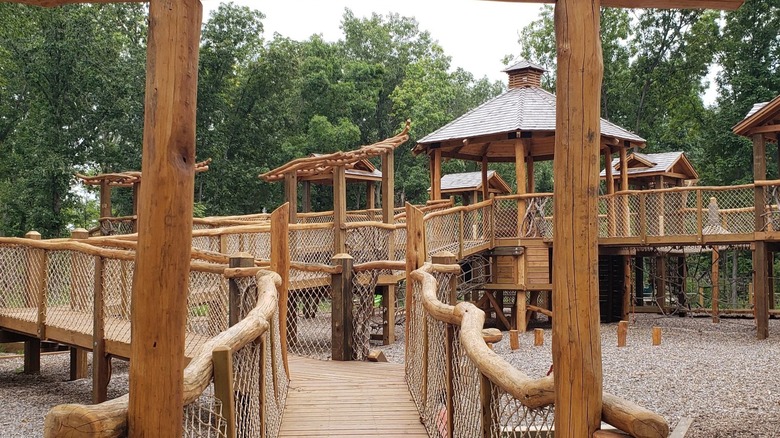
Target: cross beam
55 3
726 5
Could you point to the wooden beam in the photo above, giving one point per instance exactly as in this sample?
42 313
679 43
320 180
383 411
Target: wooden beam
370 195
280 263
728 5
105 199
760 289
765 129
576 344
291 195
623 169
341 287
159 300
530 175
339 209
306 196
485 187
520 167
436 174
715 297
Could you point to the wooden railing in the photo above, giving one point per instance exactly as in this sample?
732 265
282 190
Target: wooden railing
463 388
460 230
259 327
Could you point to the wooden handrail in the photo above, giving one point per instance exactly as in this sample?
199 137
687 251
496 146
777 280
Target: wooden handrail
109 419
389 265
460 208
522 196
369 224
532 393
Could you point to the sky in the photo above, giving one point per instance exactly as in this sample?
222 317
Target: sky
476 34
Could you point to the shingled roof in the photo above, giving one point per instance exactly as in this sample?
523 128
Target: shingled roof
645 164
517 109
763 118
471 181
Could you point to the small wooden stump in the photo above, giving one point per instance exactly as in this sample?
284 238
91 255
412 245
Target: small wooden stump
514 340
491 336
538 337
656 335
622 331
376 356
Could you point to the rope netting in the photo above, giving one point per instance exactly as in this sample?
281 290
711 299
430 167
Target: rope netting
117 294
367 244
207 302
312 245
505 212
474 273
203 417
537 221
20 281
116 226
366 316
70 291
772 213
309 317
477 227
442 233
315 218
434 355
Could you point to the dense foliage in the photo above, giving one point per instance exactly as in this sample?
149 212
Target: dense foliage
72 85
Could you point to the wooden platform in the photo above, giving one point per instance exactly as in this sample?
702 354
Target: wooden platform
335 399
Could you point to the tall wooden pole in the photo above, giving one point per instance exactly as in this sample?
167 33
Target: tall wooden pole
162 266
388 188
340 209
760 267
576 343
291 195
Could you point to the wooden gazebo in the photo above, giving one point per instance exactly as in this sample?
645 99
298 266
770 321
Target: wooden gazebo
517 126
654 171
337 169
107 181
468 185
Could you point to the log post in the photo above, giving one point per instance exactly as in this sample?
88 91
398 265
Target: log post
485 186
306 196
760 259
715 285
514 340
105 204
388 187
486 405
576 339
36 282
522 181
370 198
656 336
136 196
341 288
235 313
101 362
415 258
538 337
222 358
626 287
622 331
291 195
280 263
159 302
339 209
436 174
610 183
32 356
449 380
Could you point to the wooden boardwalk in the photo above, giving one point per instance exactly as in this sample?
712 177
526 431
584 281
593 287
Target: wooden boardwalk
335 399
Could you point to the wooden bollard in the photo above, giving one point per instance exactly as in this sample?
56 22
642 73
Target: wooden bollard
622 331
538 337
656 335
514 340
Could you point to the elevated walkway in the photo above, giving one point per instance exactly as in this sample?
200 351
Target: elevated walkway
336 399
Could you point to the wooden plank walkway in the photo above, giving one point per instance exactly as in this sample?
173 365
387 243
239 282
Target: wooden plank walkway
335 399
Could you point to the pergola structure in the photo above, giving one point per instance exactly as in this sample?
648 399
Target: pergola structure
333 169
468 185
107 181
762 125
517 126
654 171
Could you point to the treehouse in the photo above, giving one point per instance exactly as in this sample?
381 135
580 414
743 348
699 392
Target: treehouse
655 171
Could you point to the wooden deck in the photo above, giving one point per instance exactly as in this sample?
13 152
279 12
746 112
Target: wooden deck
335 399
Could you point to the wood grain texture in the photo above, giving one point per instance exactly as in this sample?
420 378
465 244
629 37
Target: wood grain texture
728 5
576 343
162 269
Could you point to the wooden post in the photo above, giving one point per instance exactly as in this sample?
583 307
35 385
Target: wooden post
610 183
522 181
388 315
485 186
415 258
760 259
715 284
339 209
622 331
36 294
306 196
486 405
280 263
656 335
538 337
623 169
105 204
341 290
449 335
291 195
626 287
136 196
448 258
32 356
436 174
101 362
388 187
222 358
660 285
370 197
240 260
78 356
514 340
576 339
159 302
531 186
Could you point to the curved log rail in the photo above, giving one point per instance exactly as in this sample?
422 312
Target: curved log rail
468 320
109 419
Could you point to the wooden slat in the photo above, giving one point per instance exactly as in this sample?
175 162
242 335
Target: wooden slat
330 398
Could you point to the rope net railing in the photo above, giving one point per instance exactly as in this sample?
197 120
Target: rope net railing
463 389
250 406
309 313
449 388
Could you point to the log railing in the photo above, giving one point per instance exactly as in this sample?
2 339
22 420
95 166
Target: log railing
254 353
462 388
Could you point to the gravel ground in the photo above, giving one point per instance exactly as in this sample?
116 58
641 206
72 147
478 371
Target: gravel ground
717 374
25 399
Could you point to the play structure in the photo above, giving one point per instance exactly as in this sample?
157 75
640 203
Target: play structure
264 291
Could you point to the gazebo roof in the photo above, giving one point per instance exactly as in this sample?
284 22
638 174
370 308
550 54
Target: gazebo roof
355 162
763 118
127 179
673 164
516 112
472 181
